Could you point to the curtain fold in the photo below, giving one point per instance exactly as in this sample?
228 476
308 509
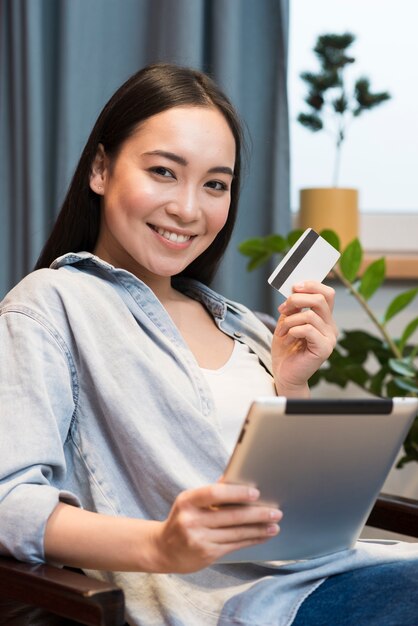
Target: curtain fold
60 60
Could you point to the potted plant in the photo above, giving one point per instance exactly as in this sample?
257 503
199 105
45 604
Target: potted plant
381 364
332 106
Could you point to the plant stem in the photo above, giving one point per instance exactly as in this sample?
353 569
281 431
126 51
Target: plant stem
337 164
413 353
338 147
397 353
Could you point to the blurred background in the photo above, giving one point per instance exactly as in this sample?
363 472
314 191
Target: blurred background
62 59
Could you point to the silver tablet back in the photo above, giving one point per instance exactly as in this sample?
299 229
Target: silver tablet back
323 462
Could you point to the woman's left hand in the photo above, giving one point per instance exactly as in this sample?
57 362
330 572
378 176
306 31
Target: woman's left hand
304 337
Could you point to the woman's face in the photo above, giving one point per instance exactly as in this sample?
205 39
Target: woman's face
167 193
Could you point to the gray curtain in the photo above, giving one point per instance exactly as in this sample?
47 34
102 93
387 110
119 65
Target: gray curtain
60 60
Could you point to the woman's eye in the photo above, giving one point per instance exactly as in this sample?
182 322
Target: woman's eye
162 171
217 185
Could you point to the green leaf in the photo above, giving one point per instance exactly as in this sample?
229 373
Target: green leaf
332 238
315 379
336 376
410 445
336 359
405 383
372 278
392 390
365 98
258 260
350 260
403 367
356 357
399 303
409 330
275 243
357 374
311 121
315 99
249 247
340 104
406 458
383 354
376 381
293 236
355 341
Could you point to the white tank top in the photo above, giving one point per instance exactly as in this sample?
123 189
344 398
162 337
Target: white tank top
234 386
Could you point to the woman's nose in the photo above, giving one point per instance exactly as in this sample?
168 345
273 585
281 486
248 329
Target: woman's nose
185 204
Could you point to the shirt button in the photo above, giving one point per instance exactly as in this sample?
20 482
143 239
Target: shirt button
237 334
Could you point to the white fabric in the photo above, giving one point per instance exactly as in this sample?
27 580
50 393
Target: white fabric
234 386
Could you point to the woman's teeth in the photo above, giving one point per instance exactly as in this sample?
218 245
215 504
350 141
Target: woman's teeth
173 236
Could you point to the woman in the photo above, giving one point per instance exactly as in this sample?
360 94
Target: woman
117 426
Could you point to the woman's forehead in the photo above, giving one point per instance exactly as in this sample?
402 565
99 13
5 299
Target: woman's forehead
189 129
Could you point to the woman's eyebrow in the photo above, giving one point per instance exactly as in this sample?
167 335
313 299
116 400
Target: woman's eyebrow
168 155
218 169
221 169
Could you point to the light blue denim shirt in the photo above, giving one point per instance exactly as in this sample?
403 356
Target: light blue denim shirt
102 405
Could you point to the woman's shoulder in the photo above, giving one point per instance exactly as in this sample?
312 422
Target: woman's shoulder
36 286
48 292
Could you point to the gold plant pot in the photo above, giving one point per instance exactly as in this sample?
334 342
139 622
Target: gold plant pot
330 208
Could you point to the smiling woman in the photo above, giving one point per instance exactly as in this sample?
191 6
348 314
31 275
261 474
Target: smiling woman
161 205
147 94
123 394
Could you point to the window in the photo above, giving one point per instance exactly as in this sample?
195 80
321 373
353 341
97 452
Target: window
380 154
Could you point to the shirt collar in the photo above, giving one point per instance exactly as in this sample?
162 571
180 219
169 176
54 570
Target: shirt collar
189 286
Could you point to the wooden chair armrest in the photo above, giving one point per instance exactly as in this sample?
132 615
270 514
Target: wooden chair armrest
396 514
64 592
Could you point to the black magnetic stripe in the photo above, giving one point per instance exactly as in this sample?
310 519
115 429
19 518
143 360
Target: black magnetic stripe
296 258
349 406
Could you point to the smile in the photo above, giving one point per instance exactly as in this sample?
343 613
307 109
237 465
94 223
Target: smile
170 236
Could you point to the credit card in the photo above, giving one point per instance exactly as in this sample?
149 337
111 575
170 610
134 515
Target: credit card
310 258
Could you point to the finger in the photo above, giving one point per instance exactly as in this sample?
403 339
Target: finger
226 548
237 534
312 286
218 494
292 344
303 300
310 316
240 515
318 344
296 302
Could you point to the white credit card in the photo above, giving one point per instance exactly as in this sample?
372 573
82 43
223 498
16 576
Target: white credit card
310 258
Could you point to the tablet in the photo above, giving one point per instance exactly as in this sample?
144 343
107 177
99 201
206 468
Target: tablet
323 463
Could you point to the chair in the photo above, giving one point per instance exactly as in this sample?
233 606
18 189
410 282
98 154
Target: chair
44 595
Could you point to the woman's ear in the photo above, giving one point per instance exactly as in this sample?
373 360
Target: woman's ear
98 171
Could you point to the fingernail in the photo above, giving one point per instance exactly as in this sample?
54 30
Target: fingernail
275 514
253 493
272 529
299 286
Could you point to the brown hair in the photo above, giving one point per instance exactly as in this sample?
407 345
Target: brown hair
152 90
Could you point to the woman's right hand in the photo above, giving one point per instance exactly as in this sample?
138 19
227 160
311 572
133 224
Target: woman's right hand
200 528
203 525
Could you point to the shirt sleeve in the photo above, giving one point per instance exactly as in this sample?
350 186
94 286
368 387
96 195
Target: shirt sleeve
37 402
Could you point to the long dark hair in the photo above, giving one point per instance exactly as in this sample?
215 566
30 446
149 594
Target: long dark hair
152 90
